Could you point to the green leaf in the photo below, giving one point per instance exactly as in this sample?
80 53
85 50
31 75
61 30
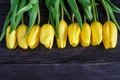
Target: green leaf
64 8
19 17
33 15
113 7
87 7
22 4
50 5
75 10
56 16
7 21
14 7
27 7
14 4
33 2
86 3
54 13
24 9
51 19
112 16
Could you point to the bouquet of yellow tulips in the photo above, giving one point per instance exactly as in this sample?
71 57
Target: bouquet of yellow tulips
19 34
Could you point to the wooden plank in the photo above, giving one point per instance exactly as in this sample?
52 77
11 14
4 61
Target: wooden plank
92 71
55 55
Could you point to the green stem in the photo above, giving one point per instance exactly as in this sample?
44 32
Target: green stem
73 16
84 18
105 7
38 14
94 13
22 20
62 14
49 19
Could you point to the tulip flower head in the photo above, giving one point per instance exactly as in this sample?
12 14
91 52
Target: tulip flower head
21 38
47 35
109 35
33 37
96 33
74 34
62 38
11 41
85 35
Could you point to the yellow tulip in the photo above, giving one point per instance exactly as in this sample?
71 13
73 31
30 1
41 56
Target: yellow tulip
62 38
85 35
109 35
96 31
21 39
33 37
47 35
74 34
11 41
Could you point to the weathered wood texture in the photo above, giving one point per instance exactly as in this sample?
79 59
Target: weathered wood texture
55 55
102 71
91 63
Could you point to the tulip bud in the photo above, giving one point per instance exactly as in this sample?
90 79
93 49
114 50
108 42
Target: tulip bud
109 35
47 35
11 38
21 38
62 38
85 35
34 36
74 34
96 31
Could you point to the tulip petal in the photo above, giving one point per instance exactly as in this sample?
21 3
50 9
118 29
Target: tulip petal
62 38
11 38
96 30
47 35
85 35
33 37
74 34
113 35
109 35
21 38
106 35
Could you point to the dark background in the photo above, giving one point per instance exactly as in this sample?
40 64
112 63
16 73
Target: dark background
90 63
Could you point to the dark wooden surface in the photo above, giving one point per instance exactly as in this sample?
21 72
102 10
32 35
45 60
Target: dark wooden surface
102 71
91 63
55 55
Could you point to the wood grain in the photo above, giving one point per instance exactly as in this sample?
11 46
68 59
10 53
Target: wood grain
101 71
68 55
